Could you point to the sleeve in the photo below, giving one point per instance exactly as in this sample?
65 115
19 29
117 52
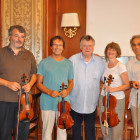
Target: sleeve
71 58
128 67
33 64
40 68
70 73
122 68
102 70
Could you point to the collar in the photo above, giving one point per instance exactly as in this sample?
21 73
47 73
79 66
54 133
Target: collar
136 60
22 49
92 58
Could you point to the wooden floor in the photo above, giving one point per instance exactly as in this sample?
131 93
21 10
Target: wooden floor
70 136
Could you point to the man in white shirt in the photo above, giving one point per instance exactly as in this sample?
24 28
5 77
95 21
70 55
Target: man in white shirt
133 67
88 70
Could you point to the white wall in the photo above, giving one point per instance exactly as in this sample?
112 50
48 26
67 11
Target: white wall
113 20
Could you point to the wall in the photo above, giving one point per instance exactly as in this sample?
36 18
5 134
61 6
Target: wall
53 14
116 21
49 24
0 25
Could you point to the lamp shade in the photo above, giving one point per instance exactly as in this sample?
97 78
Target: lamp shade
70 20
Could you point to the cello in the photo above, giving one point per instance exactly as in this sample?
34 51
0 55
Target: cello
109 117
64 121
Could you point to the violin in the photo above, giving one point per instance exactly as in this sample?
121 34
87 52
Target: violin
65 120
109 117
26 111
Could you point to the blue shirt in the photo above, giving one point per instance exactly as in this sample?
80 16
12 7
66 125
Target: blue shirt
54 74
87 76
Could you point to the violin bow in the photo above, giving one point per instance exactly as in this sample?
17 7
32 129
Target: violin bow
105 121
137 135
107 80
19 95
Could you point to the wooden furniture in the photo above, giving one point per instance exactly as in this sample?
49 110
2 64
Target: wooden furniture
97 124
33 127
128 122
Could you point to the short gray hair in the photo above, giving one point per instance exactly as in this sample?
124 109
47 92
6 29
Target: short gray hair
18 27
87 38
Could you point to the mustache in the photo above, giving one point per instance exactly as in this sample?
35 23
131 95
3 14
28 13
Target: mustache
18 42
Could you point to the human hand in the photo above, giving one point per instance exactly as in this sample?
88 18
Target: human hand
135 84
54 94
26 87
108 88
64 93
13 86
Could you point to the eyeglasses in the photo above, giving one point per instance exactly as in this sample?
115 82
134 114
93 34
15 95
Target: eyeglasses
134 45
56 45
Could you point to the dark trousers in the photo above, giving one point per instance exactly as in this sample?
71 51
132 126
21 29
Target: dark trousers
8 122
89 121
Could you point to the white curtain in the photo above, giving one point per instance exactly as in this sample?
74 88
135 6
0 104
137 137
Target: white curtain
29 14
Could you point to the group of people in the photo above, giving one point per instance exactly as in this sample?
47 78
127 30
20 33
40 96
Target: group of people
82 74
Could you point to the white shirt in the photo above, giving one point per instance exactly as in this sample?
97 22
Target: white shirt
117 81
133 67
85 93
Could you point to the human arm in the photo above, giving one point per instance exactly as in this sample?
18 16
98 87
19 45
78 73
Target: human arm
44 89
67 91
124 86
11 85
33 77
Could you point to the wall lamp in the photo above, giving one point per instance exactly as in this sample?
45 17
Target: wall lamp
70 20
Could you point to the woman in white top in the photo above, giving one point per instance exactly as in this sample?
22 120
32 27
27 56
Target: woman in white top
118 84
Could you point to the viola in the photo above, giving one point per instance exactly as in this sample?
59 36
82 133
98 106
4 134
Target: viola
65 120
26 111
109 117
